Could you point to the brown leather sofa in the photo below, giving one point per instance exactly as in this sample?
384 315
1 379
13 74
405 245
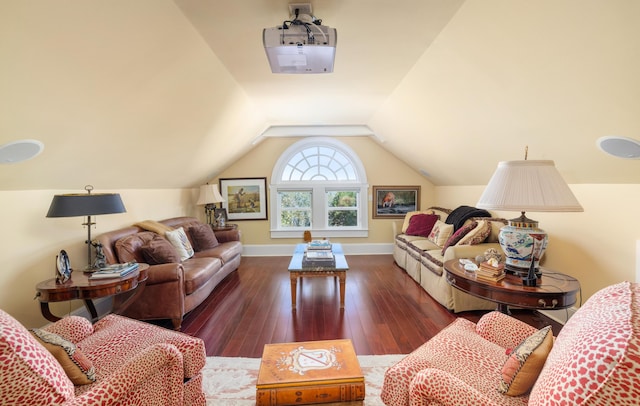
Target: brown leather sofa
174 288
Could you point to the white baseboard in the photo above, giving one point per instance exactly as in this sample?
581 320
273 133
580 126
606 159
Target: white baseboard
281 250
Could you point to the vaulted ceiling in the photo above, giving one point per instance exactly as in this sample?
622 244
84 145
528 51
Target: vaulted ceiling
165 94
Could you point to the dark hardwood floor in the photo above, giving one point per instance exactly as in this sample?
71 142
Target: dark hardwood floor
386 312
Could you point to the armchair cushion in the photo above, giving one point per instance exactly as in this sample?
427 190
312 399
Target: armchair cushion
75 364
525 362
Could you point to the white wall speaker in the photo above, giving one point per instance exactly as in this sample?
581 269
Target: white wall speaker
620 147
21 150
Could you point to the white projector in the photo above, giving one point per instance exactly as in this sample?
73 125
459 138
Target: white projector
294 50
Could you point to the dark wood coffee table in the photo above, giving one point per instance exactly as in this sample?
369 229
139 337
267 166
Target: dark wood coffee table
309 372
339 269
554 290
81 287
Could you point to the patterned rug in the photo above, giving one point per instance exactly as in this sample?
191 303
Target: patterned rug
229 381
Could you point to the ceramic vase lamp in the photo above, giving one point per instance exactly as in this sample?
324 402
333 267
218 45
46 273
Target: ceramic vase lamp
526 186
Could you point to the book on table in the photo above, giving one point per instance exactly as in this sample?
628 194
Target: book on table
319 245
320 255
115 271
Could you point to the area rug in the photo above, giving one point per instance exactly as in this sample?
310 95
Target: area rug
230 381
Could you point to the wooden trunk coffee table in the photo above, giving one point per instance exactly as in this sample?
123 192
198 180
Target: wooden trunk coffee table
308 373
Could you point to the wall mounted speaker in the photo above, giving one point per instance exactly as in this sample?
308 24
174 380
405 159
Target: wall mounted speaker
19 151
620 147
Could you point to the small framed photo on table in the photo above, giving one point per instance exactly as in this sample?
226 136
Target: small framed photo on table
244 198
394 202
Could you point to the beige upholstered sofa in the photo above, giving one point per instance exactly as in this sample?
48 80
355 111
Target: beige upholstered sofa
423 257
175 286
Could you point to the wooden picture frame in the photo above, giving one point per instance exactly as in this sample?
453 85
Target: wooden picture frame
394 202
244 198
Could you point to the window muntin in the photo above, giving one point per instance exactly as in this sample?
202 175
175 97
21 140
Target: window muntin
295 209
336 183
342 208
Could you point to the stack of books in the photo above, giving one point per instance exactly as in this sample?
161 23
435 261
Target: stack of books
115 271
490 271
318 255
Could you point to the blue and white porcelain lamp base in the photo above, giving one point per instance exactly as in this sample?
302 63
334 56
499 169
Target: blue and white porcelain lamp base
522 242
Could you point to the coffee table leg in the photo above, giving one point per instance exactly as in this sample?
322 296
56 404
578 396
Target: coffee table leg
294 283
343 279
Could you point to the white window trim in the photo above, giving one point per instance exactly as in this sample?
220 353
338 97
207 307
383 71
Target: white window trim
319 225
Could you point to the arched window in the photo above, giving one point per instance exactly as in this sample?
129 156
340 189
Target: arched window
319 184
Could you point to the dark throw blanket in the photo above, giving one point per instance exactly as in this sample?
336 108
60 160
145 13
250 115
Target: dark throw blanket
463 213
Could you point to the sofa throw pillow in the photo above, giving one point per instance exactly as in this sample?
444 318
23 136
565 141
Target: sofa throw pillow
203 237
440 233
458 235
407 218
178 238
160 251
128 248
525 362
421 224
76 365
477 235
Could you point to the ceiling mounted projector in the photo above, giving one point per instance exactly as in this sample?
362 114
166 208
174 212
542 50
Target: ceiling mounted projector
300 45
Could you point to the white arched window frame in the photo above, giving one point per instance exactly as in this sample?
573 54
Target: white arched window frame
319 168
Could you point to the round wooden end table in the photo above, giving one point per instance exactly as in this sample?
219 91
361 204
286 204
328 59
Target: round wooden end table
554 290
80 286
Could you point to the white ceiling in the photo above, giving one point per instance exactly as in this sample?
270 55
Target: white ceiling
137 94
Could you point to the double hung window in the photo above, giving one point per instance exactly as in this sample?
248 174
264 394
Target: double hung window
319 184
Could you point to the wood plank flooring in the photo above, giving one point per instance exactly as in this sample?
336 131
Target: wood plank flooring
386 312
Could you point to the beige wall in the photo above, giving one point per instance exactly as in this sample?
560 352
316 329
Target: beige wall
382 169
596 246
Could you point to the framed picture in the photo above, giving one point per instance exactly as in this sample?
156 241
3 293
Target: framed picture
220 216
393 202
244 198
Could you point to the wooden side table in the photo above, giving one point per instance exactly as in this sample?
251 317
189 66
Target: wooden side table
555 290
81 287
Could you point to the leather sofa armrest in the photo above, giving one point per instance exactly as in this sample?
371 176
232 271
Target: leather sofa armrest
163 273
227 235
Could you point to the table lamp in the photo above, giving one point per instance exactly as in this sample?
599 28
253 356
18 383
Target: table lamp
74 205
209 197
526 186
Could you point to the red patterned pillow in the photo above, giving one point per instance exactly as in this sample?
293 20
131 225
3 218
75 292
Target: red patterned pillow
421 224
458 235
